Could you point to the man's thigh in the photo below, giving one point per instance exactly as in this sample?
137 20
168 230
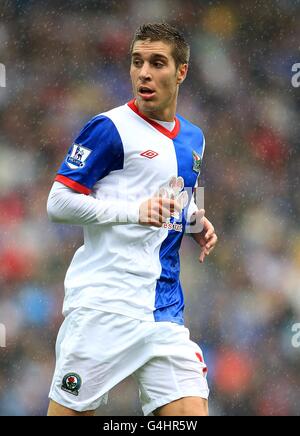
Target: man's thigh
56 409
176 380
95 351
188 406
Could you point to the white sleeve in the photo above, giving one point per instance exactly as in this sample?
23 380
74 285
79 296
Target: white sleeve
69 207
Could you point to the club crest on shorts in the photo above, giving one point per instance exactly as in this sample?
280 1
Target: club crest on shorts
78 157
71 383
197 162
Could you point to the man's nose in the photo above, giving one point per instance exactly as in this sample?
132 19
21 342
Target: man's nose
145 72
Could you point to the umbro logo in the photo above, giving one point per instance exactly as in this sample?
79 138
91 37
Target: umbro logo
150 154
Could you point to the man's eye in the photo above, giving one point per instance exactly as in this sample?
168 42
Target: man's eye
137 63
158 64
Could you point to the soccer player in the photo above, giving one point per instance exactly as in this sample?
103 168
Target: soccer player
123 181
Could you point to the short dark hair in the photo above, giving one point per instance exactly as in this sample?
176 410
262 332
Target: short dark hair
166 33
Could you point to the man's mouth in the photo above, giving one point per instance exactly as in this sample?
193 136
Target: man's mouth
145 92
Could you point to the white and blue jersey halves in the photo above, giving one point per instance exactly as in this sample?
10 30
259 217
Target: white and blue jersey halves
129 268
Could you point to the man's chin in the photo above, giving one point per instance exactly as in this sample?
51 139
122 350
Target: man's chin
146 105
145 100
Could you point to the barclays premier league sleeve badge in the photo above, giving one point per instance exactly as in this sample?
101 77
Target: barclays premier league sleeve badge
197 162
78 157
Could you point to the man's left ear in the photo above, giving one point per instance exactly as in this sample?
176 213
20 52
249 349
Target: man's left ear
182 72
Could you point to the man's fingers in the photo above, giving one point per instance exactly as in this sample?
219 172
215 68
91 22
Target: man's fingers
204 252
172 205
165 213
163 201
208 248
202 255
167 206
212 242
209 233
157 210
159 215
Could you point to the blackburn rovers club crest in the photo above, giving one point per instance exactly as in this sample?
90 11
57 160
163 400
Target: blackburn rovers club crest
71 383
197 161
78 157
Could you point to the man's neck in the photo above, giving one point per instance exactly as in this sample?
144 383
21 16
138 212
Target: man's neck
167 115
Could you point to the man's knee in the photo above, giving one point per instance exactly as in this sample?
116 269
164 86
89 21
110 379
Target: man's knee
188 406
56 409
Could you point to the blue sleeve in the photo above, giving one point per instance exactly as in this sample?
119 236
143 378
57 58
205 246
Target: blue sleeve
96 152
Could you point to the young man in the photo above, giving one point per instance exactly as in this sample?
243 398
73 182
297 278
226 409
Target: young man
122 180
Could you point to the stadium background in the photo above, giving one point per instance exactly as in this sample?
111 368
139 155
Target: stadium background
66 61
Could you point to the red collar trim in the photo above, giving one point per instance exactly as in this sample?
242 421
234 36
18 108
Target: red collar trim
157 126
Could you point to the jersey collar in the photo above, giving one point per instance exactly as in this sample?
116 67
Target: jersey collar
170 134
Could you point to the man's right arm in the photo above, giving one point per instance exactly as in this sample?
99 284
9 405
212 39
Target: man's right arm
69 207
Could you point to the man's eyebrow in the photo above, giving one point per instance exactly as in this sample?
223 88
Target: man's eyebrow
158 55
153 55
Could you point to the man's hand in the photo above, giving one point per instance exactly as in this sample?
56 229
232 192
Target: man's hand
207 238
157 210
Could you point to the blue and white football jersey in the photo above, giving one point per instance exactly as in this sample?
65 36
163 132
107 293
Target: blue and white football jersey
130 269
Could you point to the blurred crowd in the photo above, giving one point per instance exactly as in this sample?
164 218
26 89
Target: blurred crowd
67 61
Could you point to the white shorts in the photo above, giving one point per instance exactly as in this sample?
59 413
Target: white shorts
96 350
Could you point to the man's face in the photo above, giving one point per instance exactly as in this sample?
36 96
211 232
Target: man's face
155 78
